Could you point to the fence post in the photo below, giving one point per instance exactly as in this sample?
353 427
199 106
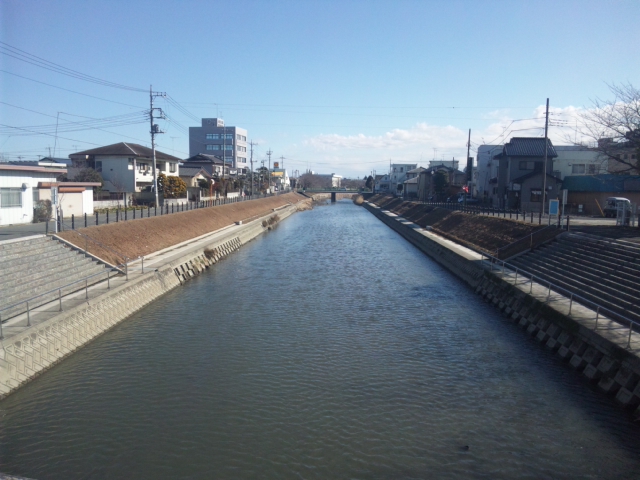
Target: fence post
630 330
73 222
28 315
107 216
1 336
142 261
597 316
570 303
516 279
155 211
126 269
567 223
134 212
60 298
96 218
86 288
531 285
85 220
108 279
125 214
549 293
117 214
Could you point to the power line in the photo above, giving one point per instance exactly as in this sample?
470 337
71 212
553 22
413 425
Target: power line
69 90
21 55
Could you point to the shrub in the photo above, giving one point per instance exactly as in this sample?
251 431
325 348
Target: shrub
42 211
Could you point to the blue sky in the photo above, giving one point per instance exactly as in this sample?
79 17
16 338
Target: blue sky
334 86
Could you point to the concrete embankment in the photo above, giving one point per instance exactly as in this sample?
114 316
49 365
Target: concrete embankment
27 351
605 352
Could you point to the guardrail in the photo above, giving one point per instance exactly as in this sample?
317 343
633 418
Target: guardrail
618 318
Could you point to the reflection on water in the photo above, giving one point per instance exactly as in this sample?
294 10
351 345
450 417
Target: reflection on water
329 348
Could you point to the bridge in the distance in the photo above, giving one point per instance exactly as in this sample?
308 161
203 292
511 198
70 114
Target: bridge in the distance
332 191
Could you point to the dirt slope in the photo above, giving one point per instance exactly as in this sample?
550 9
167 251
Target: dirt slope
144 236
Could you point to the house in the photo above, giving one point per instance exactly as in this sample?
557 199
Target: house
125 167
577 160
520 174
428 178
214 138
210 163
23 186
381 184
193 175
397 176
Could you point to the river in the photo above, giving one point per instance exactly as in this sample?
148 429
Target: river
327 348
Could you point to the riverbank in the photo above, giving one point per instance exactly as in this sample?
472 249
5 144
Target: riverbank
33 344
603 351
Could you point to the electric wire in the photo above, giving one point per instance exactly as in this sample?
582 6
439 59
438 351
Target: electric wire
24 56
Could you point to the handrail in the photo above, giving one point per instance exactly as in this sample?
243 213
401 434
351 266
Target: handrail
59 289
590 303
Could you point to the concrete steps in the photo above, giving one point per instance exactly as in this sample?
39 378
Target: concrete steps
603 271
38 265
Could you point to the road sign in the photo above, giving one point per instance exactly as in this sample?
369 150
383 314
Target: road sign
554 207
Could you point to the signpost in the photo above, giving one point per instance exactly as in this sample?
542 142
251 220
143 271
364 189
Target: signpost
554 208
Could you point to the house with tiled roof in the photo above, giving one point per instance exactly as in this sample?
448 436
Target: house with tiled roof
520 174
125 167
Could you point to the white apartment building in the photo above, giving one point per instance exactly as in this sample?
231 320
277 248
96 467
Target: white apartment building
213 137
397 176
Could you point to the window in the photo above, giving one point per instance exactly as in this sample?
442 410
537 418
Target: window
242 138
242 159
36 195
130 164
577 169
228 136
592 169
10 197
242 149
401 169
213 147
98 165
143 167
172 168
228 147
213 136
527 165
536 195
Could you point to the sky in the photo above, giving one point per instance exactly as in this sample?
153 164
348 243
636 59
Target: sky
341 87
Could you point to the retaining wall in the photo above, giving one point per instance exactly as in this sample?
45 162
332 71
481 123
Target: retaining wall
25 356
614 369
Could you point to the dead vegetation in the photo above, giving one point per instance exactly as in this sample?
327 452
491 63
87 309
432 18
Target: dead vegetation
144 236
476 231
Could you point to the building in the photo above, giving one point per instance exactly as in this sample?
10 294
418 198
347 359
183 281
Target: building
280 179
125 167
487 172
520 174
410 188
427 184
192 176
214 138
397 176
575 160
587 194
210 163
381 184
23 186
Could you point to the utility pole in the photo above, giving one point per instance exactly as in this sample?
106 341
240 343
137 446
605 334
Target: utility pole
544 165
269 155
283 170
155 129
469 169
252 144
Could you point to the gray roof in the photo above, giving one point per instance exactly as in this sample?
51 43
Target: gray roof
417 170
204 158
127 149
528 147
411 180
193 171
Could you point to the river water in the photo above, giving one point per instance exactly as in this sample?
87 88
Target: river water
328 348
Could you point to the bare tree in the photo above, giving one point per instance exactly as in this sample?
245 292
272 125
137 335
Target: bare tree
613 129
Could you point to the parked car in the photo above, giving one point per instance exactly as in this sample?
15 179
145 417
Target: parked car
470 199
611 206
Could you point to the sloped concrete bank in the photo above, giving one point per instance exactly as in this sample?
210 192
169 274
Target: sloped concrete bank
597 349
35 349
